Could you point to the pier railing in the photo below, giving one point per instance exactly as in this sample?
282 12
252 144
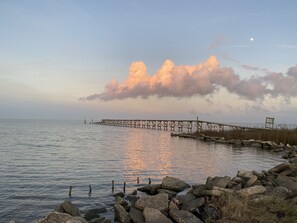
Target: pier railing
174 125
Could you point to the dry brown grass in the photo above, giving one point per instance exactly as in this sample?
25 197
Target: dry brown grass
284 136
248 210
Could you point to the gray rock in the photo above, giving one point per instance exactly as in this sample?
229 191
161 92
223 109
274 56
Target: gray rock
279 168
59 209
76 220
119 194
55 217
175 184
245 174
136 215
258 189
210 213
70 208
153 215
202 192
121 215
181 216
218 181
251 181
278 191
287 182
132 199
94 213
159 201
150 188
99 220
182 199
172 205
193 204
121 201
170 193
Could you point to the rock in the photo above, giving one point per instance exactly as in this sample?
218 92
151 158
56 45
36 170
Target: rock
55 217
121 215
159 201
76 220
94 213
225 190
287 182
258 189
119 194
152 215
100 220
279 168
218 181
59 209
236 187
132 199
278 191
172 205
70 208
202 192
134 192
175 184
170 193
193 204
136 215
210 213
251 181
293 161
182 199
245 174
121 201
181 216
150 188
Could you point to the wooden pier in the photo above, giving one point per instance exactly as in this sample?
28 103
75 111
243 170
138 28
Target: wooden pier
173 125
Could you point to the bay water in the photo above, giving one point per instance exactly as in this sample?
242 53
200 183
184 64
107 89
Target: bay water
41 159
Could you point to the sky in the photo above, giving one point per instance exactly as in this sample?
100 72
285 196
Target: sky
225 61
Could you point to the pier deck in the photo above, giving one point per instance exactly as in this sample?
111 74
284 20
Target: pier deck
174 125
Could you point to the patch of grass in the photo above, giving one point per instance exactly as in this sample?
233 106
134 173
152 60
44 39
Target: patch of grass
263 210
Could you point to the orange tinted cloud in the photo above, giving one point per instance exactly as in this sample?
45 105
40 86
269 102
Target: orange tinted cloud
200 79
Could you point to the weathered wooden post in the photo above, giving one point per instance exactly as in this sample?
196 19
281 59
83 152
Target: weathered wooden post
70 190
124 187
150 181
112 186
90 190
137 180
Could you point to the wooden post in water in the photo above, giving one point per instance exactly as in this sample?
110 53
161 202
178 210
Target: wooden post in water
90 190
124 188
70 190
112 186
137 180
150 181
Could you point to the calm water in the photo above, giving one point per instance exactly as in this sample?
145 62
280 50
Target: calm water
39 160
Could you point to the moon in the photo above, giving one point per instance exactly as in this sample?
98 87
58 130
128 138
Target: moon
252 39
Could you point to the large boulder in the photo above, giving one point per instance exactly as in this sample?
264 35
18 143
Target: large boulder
151 189
153 215
94 213
121 215
181 216
192 205
136 215
287 182
200 192
183 199
70 208
159 201
55 217
258 189
175 184
217 181
279 168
